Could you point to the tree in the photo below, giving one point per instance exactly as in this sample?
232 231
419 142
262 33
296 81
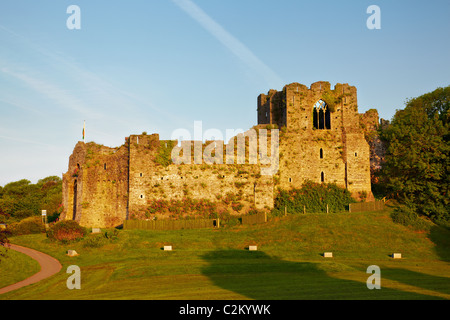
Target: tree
417 161
22 199
3 233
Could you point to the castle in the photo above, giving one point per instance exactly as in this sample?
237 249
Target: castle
321 139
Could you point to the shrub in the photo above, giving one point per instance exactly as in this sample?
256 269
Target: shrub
237 206
53 217
114 235
95 241
202 207
31 225
314 197
66 231
99 240
407 216
231 222
164 156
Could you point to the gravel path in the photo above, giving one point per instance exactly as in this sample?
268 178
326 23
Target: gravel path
49 267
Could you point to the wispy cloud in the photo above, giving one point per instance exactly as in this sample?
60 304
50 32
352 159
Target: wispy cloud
60 97
100 98
229 41
19 102
16 139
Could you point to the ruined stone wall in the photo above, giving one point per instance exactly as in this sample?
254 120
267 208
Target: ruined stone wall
358 166
271 108
72 185
338 155
104 186
110 185
142 154
370 123
311 157
151 180
98 179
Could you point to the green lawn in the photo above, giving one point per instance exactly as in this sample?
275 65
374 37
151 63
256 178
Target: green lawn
16 267
215 264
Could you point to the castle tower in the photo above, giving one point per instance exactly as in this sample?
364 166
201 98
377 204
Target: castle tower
322 140
95 187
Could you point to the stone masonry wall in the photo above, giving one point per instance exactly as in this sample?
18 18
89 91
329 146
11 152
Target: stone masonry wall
150 180
101 178
104 186
337 155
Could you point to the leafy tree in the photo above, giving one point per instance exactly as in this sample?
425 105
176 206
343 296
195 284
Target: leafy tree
22 199
3 233
417 161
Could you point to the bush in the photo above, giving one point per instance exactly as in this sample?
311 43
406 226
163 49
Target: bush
99 240
112 236
31 225
228 220
66 231
314 197
95 241
164 156
231 222
53 217
202 207
408 217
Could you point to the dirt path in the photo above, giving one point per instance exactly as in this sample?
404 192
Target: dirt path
49 267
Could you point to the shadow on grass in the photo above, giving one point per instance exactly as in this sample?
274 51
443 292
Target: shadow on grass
417 279
440 236
255 275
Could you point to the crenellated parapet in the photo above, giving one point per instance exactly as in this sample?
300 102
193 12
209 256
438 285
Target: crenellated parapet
323 140
319 136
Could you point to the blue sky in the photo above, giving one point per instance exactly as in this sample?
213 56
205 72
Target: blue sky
160 65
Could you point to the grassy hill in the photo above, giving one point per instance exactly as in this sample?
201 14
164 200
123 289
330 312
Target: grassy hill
215 264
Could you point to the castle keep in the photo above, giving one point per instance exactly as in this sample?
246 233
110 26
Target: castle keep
320 139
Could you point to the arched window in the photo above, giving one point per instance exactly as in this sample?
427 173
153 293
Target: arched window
322 177
321 153
321 115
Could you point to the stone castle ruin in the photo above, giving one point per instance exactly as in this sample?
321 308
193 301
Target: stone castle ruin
322 138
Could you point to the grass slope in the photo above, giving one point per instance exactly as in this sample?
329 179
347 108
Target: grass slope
214 264
16 267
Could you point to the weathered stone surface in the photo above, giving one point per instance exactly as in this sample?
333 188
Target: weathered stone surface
105 186
339 154
72 253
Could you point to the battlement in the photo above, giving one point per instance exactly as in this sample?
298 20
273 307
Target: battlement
320 140
300 107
